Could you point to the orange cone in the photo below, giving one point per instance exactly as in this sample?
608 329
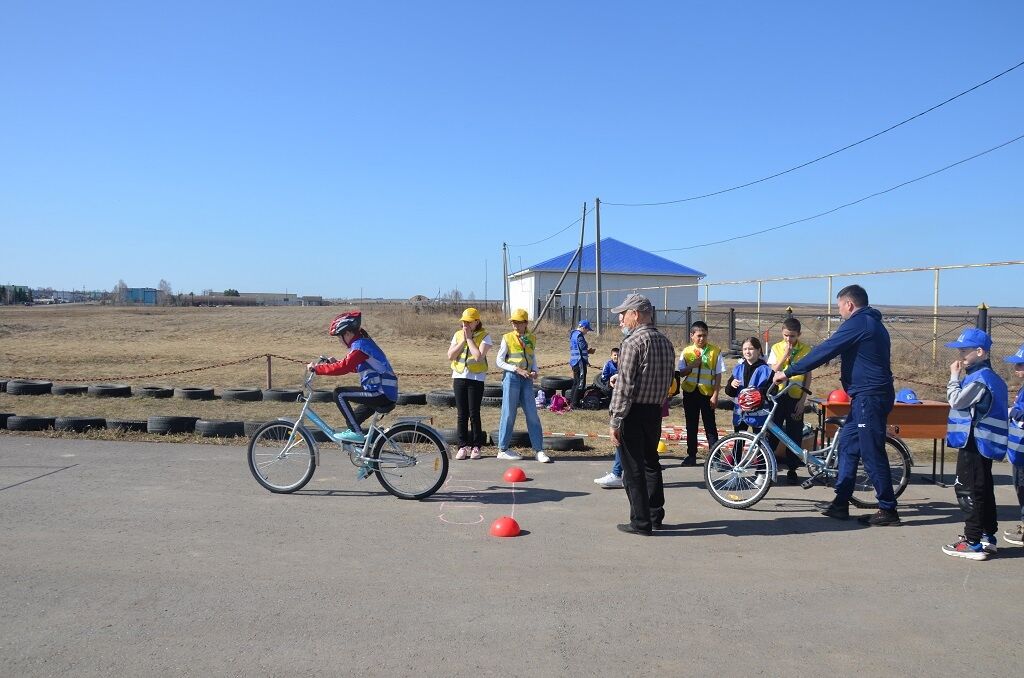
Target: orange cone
505 526
514 474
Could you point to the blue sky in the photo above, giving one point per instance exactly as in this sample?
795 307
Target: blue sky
391 147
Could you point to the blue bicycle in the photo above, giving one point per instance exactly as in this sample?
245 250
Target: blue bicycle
741 467
410 458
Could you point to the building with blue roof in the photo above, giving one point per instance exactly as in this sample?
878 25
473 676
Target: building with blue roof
624 269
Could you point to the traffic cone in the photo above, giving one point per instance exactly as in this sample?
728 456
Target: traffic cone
505 526
662 447
514 474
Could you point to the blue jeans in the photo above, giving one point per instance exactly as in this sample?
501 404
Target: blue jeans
617 464
863 436
518 392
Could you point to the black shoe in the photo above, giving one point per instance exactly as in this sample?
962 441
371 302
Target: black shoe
629 529
881 518
657 525
834 510
689 461
792 478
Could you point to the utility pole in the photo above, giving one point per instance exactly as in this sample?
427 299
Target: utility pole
597 263
504 263
579 265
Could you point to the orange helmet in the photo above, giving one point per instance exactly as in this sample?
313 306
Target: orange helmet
838 397
749 399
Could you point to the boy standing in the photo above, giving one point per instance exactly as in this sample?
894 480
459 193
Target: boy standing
1015 447
579 361
978 428
701 365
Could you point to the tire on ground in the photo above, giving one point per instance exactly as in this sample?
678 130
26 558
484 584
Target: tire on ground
28 387
110 391
556 383
79 424
29 422
281 395
249 428
488 401
441 398
516 439
564 443
248 395
219 428
126 425
493 391
3 386
4 416
450 435
194 393
69 389
412 398
162 424
154 391
321 396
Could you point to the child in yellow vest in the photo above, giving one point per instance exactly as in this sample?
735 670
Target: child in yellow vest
789 415
468 355
701 366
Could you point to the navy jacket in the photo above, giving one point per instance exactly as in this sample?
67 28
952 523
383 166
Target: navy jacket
863 344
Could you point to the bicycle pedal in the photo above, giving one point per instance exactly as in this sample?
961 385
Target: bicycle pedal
807 484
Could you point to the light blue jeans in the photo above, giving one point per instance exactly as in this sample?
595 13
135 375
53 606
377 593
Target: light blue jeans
518 392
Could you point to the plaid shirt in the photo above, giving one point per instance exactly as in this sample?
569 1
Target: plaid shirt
647 361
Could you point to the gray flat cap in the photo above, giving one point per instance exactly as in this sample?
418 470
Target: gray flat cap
637 301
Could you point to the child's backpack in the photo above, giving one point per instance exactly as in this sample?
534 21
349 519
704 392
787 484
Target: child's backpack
558 403
593 399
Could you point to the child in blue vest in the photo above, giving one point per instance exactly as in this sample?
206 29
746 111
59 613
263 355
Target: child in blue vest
751 372
579 361
1015 447
978 428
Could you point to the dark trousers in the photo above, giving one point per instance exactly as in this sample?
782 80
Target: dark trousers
975 473
641 469
696 404
579 383
366 404
1018 485
468 395
794 428
863 436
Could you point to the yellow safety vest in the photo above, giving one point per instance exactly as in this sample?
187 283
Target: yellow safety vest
520 354
786 357
466 358
702 377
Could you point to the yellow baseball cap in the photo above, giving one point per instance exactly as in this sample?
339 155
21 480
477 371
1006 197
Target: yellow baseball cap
519 315
470 315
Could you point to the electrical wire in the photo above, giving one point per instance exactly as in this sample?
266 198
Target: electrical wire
845 205
578 220
819 158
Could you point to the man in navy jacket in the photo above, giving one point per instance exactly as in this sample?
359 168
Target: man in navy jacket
862 342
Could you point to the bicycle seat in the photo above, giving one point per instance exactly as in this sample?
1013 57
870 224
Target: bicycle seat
838 421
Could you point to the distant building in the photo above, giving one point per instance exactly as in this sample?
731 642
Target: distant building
311 300
146 296
270 298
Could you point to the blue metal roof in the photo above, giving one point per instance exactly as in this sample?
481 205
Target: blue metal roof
618 257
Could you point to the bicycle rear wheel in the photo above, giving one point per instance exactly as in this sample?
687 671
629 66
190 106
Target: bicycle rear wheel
278 461
410 460
899 461
736 472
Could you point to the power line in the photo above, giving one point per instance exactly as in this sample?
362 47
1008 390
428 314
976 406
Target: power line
849 204
819 158
578 220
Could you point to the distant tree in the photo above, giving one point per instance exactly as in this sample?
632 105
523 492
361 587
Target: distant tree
230 292
165 287
454 295
120 292
471 296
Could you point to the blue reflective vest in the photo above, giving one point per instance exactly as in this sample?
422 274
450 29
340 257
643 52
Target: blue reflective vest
1015 439
990 428
376 375
578 348
756 418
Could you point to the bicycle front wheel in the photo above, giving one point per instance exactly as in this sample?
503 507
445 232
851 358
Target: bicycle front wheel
899 461
278 460
410 460
736 472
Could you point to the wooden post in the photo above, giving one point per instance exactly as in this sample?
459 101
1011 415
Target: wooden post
270 382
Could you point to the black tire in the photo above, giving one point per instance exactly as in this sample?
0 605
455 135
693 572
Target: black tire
564 443
263 447
412 398
4 416
450 435
154 391
137 425
250 427
218 428
162 425
321 396
900 462
281 395
69 389
441 398
249 395
515 439
488 401
410 440
734 478
3 386
493 391
110 391
79 424
29 423
194 393
28 387
556 383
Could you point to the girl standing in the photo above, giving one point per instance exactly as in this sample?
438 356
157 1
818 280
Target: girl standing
468 356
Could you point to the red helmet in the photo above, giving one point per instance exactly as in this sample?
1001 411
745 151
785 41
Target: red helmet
749 399
349 321
838 397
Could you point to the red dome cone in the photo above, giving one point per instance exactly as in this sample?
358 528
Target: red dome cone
514 474
505 526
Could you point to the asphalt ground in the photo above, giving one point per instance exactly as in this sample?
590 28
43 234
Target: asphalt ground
168 559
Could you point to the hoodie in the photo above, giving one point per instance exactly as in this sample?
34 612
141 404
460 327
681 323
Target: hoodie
863 344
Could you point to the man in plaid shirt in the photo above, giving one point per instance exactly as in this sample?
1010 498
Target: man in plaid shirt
646 365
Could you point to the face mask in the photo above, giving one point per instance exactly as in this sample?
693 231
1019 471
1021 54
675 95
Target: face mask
626 331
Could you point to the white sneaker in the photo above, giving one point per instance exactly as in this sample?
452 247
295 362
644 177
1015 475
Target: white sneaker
609 480
1015 537
461 454
474 453
505 454
543 458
